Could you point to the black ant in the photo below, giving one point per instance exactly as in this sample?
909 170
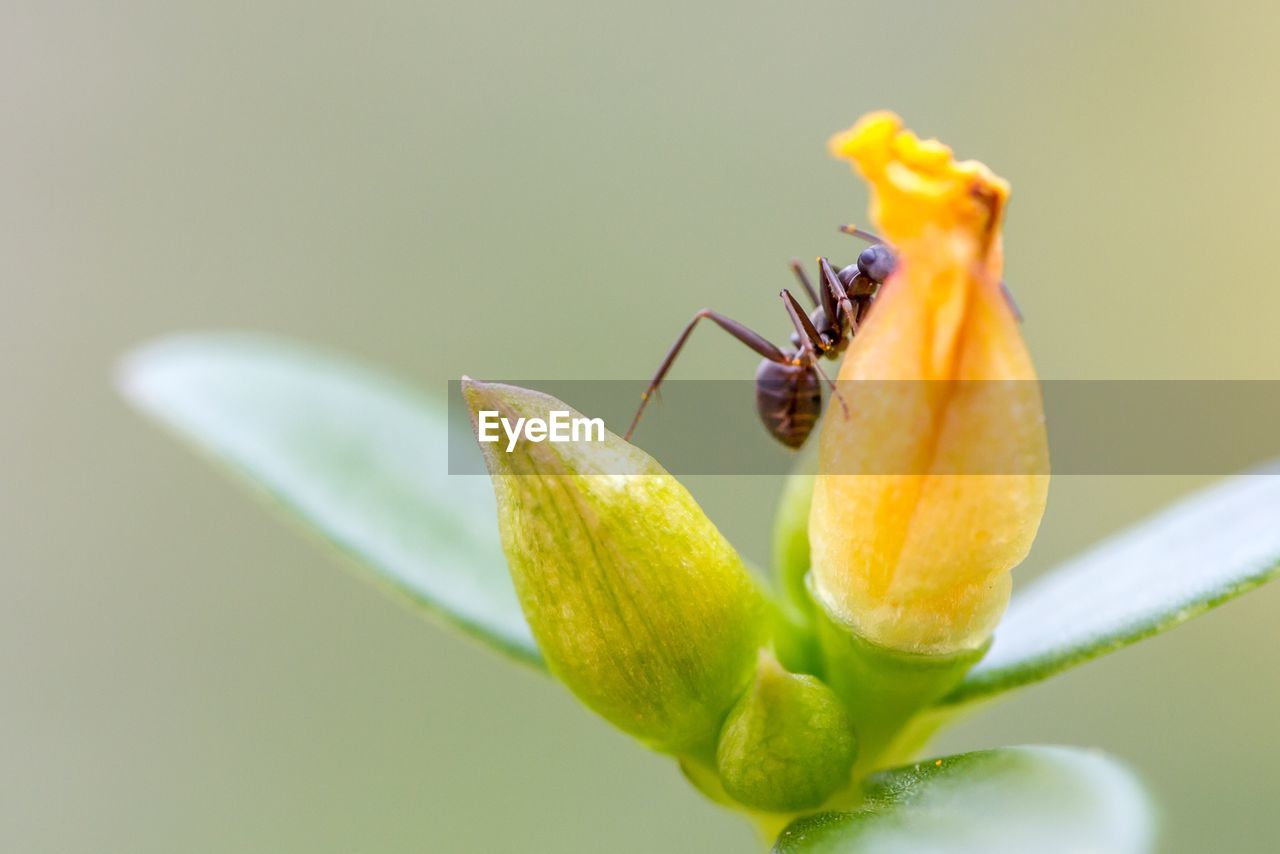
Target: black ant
788 391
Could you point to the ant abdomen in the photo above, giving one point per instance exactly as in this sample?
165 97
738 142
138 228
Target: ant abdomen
789 400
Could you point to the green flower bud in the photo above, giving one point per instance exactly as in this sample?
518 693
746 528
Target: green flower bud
787 745
639 605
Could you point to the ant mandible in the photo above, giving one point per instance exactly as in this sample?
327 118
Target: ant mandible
788 391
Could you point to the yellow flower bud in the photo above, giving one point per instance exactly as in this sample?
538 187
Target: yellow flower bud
638 604
931 490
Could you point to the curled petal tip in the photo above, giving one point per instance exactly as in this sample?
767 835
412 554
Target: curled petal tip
918 183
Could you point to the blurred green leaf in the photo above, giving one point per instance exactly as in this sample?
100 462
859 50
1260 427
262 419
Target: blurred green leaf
355 455
1197 554
1047 800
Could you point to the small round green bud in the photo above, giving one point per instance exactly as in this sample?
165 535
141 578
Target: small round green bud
787 745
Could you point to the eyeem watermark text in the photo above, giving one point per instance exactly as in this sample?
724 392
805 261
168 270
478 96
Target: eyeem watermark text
559 427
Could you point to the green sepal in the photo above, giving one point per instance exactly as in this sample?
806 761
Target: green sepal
796 641
701 774
884 688
791 533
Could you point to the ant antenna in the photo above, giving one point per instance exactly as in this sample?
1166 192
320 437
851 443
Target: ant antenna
798 269
854 231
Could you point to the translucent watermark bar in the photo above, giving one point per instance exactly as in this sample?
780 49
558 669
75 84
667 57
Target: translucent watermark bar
1094 427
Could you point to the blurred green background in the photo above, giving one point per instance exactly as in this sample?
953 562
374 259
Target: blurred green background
513 189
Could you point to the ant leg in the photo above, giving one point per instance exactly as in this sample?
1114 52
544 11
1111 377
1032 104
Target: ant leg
804 280
828 303
854 231
810 341
833 284
733 327
864 306
1013 304
835 390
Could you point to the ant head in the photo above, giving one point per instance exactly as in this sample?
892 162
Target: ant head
877 262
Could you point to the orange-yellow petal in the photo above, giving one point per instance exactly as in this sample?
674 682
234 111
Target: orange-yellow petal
931 486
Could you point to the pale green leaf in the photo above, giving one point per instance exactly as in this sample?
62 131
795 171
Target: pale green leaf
1018 800
1197 554
357 456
